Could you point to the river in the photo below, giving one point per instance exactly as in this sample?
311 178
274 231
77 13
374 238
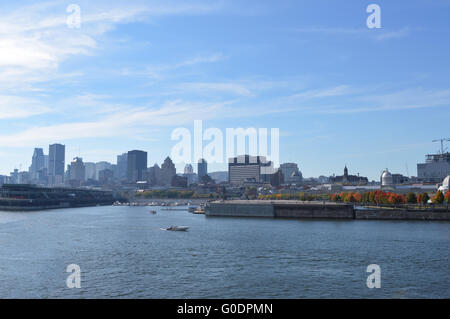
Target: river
123 253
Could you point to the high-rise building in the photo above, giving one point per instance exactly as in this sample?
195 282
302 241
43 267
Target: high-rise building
106 176
189 174
122 166
154 175
202 168
246 168
14 176
77 172
37 161
188 169
90 171
168 171
4 179
56 162
137 166
100 166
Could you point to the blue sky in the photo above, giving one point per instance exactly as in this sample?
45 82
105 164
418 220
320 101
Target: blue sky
340 93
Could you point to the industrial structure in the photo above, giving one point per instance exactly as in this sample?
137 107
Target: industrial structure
436 166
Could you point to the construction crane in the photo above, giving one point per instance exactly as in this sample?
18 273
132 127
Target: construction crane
442 140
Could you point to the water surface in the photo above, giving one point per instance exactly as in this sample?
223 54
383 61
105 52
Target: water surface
123 253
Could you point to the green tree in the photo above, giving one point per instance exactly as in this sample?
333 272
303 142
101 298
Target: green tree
302 196
411 198
372 197
425 198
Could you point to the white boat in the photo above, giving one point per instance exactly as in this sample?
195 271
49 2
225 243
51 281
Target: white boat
177 228
199 211
192 209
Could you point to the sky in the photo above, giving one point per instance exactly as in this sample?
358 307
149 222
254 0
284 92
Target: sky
133 71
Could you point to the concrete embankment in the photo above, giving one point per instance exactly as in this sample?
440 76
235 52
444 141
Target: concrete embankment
319 210
240 209
389 214
280 209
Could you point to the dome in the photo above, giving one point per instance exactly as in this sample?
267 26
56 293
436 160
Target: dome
386 178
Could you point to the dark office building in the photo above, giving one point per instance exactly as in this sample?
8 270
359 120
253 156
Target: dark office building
56 163
137 166
202 168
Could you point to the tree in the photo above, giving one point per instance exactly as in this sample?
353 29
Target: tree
411 198
438 198
335 198
302 196
424 198
358 197
351 198
250 192
372 197
447 197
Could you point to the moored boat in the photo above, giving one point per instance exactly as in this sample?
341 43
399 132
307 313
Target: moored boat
177 228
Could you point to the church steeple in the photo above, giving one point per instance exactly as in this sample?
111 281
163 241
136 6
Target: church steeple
345 173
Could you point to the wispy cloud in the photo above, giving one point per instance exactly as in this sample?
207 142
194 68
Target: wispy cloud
204 87
322 93
377 34
125 122
19 107
393 34
35 40
347 99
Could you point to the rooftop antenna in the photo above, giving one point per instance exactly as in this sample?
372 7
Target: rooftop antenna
407 171
442 140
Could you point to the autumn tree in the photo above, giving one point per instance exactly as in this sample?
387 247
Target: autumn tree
447 197
438 198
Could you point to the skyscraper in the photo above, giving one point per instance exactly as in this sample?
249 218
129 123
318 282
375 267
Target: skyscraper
122 166
90 171
188 169
37 162
168 171
100 166
56 162
202 168
189 174
154 175
77 172
137 165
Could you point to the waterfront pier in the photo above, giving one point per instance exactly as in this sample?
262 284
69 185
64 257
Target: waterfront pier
280 209
317 210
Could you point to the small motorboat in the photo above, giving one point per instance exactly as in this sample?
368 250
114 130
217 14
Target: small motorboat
153 212
192 209
177 228
199 211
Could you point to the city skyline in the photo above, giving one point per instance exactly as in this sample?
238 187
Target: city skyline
115 84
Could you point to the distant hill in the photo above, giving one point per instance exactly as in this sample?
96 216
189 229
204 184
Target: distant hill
219 176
